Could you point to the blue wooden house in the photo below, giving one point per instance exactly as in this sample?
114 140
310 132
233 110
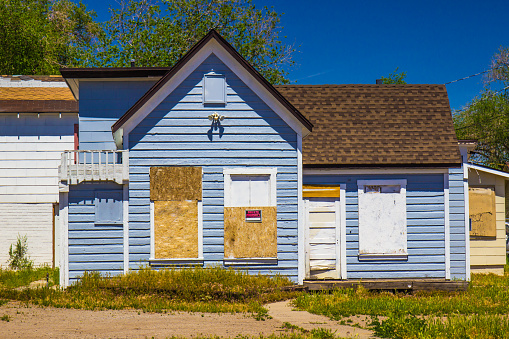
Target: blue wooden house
206 163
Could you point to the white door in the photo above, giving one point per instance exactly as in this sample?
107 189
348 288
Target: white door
322 238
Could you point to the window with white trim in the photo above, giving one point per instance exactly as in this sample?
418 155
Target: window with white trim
214 88
250 187
382 218
250 216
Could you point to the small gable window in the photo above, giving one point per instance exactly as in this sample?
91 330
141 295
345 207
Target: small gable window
214 88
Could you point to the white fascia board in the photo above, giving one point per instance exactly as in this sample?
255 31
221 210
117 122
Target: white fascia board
250 171
488 170
360 171
213 47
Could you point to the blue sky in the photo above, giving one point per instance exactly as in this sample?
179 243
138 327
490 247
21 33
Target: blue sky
354 42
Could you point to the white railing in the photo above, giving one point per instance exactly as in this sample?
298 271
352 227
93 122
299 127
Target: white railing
79 166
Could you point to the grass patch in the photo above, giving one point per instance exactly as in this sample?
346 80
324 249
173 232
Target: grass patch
480 312
213 290
488 294
5 318
14 279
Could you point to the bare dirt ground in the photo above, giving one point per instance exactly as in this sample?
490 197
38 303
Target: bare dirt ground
49 322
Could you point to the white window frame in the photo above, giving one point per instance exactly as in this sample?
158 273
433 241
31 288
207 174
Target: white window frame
176 261
213 75
389 182
271 172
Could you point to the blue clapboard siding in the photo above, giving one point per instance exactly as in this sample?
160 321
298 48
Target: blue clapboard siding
179 133
101 104
425 228
93 247
457 223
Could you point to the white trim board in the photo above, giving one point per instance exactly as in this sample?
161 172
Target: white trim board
301 251
212 47
125 222
64 240
447 229
488 170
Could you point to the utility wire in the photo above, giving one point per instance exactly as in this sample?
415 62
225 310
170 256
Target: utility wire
476 74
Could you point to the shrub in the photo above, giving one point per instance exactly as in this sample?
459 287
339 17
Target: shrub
18 257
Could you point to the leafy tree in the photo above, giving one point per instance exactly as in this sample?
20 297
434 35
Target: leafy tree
40 36
486 118
394 78
159 34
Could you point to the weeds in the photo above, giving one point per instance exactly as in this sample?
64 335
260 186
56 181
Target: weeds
5 318
209 290
14 279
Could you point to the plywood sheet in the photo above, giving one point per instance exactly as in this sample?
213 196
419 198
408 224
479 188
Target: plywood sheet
175 183
176 229
250 239
320 191
482 211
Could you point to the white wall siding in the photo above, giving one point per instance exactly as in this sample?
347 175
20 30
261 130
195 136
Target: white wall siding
30 150
37 224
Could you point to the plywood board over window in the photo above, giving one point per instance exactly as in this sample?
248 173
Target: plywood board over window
176 192
246 191
482 211
382 219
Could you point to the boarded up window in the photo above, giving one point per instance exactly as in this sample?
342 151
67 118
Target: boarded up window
482 211
244 236
108 207
176 192
382 218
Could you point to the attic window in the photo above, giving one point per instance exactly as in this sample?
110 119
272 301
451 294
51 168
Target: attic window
214 88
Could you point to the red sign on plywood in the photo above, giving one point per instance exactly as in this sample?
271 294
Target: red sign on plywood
253 216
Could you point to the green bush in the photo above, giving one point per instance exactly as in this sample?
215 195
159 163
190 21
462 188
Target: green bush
18 257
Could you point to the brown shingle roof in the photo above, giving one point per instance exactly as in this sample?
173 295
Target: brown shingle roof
376 125
37 100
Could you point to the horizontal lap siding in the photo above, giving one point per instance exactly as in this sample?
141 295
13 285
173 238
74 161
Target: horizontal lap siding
31 147
92 247
457 223
425 227
101 104
179 133
33 220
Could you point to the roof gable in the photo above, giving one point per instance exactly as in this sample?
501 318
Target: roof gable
212 43
376 125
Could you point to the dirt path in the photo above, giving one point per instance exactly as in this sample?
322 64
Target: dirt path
49 322
284 312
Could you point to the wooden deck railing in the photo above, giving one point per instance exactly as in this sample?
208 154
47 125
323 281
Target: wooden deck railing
80 166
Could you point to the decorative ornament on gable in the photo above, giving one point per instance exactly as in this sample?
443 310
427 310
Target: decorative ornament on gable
214 117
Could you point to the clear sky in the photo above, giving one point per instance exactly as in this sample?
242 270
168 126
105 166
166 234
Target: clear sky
356 42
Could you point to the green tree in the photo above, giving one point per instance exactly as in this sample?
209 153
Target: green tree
40 36
486 118
394 78
159 34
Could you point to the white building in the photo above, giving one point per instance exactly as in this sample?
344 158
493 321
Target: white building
38 120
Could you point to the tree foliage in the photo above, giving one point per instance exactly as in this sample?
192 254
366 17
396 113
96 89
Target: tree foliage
40 36
486 118
159 34
394 78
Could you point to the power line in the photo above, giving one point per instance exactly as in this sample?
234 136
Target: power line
476 74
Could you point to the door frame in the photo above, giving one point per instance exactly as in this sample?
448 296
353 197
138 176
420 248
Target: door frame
340 236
